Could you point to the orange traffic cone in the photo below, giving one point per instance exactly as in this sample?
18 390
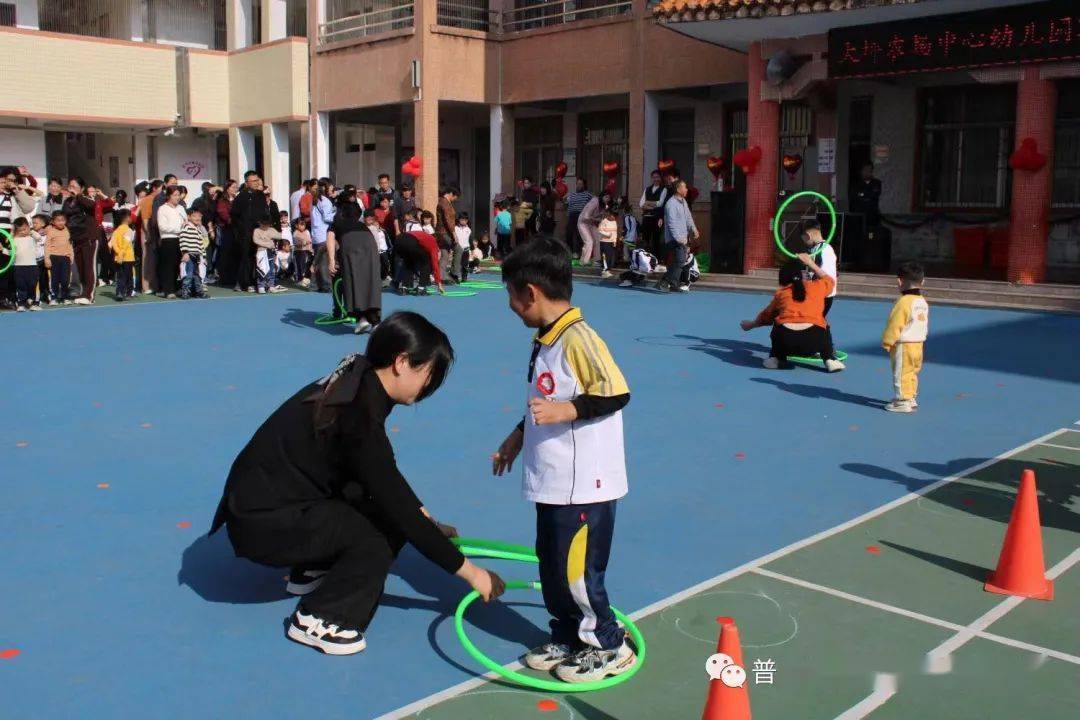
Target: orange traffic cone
724 702
1020 569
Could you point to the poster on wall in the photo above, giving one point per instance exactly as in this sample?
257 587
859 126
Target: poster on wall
569 156
826 159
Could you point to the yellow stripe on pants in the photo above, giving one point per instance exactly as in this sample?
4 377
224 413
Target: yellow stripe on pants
906 360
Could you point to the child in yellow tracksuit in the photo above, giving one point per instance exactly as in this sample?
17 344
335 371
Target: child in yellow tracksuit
904 336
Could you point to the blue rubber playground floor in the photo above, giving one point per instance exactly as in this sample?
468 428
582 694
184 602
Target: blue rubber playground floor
849 544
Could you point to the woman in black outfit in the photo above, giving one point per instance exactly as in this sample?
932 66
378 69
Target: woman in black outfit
317 488
79 209
352 252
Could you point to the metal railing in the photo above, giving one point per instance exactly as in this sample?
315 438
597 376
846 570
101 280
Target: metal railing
466 14
377 17
532 14
187 23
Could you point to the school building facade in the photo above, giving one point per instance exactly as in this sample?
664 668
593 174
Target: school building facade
937 95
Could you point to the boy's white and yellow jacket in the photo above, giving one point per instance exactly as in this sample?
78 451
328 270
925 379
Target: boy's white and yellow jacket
582 461
908 322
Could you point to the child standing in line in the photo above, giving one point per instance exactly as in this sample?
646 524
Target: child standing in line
504 226
193 243
609 235
39 222
904 336
463 238
122 244
286 228
25 268
302 250
59 255
265 238
574 464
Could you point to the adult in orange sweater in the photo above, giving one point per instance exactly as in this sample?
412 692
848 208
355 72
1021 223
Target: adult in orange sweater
797 316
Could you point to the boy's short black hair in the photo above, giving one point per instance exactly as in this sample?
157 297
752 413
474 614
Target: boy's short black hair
911 272
369 212
157 184
543 262
463 216
810 224
383 175
20 222
504 205
56 214
249 173
406 186
194 210
121 216
42 217
426 214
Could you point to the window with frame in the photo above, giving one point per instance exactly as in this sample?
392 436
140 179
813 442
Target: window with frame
538 147
7 15
1066 192
604 138
967 136
677 141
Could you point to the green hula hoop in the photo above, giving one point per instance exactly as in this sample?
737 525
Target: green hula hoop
840 355
780 212
475 547
11 251
482 284
458 293
330 319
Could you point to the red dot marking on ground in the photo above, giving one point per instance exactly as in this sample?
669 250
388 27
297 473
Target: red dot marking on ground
96 403
103 486
968 501
146 425
854 428
719 406
184 524
9 653
21 444
547 706
873 549
740 456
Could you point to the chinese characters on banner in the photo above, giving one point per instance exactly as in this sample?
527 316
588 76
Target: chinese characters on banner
1040 31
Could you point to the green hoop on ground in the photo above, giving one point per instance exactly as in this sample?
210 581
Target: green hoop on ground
458 293
482 284
11 251
539 683
780 213
330 319
840 355
475 547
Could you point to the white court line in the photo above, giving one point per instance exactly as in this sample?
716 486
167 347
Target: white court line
471 683
1063 447
939 660
930 620
884 688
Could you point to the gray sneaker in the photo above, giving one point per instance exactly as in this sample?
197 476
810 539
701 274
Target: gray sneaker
593 664
900 406
547 656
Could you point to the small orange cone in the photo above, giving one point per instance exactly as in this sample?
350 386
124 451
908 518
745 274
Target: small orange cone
727 703
1020 569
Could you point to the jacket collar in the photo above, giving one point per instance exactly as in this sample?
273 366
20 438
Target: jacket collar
548 335
912 291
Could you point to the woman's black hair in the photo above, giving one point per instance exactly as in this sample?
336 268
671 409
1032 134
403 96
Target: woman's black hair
419 339
792 274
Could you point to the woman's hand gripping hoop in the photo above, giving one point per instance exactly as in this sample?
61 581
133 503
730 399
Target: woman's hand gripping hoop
475 547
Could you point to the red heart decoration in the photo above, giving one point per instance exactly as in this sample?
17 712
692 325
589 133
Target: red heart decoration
609 187
665 165
415 161
716 164
1027 156
560 187
611 168
748 158
692 194
560 170
792 163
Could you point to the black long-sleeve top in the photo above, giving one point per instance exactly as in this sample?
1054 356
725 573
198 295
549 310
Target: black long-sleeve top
288 466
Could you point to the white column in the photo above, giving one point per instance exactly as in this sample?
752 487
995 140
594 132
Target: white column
241 152
319 130
275 137
141 144
273 19
238 23
651 141
495 149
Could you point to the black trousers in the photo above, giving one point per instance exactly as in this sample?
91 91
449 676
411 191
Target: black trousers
85 253
607 253
354 548
651 235
26 279
245 270
801 343
106 263
43 281
168 267
573 238
60 277
415 261
125 279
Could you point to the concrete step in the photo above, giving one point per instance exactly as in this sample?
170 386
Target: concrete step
949 283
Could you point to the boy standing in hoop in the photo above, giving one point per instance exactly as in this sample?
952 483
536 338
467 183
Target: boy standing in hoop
574 464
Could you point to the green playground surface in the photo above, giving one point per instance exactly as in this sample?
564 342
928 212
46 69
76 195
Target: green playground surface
884 616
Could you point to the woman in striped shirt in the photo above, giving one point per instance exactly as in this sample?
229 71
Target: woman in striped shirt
575 203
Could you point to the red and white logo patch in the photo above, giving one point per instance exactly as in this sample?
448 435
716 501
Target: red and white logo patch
546 384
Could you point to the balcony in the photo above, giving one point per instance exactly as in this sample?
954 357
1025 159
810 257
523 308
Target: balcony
359 19
534 14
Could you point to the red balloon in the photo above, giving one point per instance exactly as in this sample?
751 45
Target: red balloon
610 188
611 168
665 165
792 163
692 194
560 188
560 170
406 169
1027 156
716 163
748 158
415 161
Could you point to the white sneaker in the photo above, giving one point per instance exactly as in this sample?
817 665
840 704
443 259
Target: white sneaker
251 289
260 291
770 363
684 288
547 656
278 289
100 282
53 303
305 282
82 301
20 308
594 664
35 308
914 403
362 327
834 365
329 638
900 406
605 274
625 283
